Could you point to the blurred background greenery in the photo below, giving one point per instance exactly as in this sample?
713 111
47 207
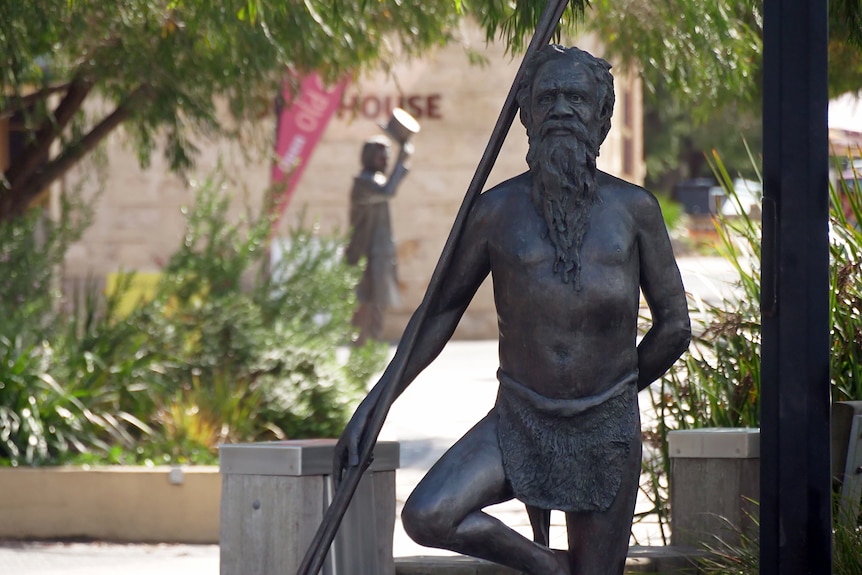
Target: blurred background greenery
226 348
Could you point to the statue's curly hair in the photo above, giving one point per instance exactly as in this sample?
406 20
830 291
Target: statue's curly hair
601 72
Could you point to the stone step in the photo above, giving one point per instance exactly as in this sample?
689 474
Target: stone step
668 560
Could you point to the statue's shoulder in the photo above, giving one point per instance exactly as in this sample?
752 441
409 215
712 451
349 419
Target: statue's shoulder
507 195
627 195
504 203
369 180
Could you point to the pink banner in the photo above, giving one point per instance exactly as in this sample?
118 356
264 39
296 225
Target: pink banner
300 126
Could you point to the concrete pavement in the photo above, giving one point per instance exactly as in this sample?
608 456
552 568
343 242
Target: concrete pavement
52 558
445 401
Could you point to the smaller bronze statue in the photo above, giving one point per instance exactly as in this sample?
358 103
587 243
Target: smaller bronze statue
371 228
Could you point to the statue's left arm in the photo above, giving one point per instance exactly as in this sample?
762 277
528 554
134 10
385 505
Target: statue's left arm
661 284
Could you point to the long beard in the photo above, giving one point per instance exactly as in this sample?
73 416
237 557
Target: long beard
564 191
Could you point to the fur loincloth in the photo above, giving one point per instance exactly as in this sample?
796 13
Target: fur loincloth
566 454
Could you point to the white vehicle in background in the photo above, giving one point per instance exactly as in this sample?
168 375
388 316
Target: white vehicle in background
748 198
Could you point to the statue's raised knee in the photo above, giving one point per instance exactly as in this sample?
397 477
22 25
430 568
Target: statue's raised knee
426 524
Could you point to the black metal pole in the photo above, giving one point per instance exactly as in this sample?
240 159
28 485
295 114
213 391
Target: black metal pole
795 508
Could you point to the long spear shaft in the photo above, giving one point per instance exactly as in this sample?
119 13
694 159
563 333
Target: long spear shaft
316 554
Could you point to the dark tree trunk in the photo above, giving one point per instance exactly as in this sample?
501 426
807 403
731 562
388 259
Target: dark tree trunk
30 176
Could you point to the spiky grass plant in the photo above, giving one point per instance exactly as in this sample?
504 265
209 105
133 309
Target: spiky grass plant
743 556
716 383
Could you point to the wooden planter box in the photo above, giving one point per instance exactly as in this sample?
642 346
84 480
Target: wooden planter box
714 484
274 495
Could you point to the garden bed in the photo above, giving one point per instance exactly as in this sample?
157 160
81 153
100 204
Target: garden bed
116 503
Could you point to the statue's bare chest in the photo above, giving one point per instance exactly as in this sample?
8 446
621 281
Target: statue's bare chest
523 255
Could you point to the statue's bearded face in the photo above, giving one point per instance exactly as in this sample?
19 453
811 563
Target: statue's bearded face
562 157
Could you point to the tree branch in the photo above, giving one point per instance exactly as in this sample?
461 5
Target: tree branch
18 103
37 149
25 195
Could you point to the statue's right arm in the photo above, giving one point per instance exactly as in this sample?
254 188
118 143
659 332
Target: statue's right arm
399 170
469 266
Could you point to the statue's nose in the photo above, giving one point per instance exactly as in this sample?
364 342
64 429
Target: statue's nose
561 108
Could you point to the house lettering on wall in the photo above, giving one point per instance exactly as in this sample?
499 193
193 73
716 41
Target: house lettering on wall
379 106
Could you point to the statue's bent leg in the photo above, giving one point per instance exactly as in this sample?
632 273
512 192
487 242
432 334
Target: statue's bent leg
599 541
445 509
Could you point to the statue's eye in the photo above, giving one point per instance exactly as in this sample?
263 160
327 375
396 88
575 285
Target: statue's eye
575 98
547 98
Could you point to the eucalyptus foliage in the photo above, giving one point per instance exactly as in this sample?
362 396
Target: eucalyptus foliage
708 53
701 64
72 71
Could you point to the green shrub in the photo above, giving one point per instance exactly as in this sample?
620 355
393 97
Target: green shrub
31 248
246 363
52 405
227 350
